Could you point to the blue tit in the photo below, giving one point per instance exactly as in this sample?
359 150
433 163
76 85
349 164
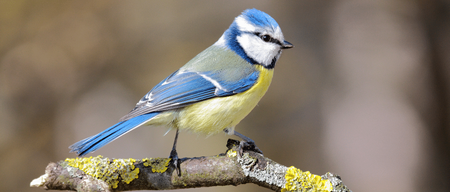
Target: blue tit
211 93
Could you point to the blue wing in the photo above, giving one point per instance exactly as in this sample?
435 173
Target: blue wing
184 88
216 72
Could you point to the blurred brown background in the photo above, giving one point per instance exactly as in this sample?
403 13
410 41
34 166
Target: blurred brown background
364 93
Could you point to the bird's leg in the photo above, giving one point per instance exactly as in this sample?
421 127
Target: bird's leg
174 155
247 143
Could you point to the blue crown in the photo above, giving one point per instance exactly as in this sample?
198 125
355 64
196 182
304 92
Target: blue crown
259 18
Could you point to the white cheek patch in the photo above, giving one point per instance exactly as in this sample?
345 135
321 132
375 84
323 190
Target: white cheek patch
260 51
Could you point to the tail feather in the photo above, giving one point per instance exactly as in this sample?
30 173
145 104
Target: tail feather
95 142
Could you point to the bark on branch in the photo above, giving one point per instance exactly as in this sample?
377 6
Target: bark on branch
104 174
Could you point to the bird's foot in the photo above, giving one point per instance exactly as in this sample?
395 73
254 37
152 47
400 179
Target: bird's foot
245 144
241 146
175 161
248 146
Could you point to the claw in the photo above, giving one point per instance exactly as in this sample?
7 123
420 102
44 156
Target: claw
246 144
175 161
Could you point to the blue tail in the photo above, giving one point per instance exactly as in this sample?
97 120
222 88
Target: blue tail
95 142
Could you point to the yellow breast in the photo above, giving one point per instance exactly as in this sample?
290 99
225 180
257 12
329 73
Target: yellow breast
214 115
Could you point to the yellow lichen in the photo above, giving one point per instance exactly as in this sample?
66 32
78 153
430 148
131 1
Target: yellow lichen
297 180
107 170
159 165
231 153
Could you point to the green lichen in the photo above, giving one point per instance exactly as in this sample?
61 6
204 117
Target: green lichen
107 170
297 180
159 165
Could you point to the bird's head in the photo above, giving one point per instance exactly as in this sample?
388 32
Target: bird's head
256 37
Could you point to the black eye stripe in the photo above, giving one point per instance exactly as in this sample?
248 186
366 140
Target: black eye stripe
267 38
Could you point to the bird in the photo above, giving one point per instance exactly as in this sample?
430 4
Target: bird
213 91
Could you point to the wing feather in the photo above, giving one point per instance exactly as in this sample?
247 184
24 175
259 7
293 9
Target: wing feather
215 72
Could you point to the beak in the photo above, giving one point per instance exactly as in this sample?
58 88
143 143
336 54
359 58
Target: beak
286 45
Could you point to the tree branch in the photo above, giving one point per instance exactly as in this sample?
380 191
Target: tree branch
104 174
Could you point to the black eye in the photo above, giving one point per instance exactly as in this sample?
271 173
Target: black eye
266 38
